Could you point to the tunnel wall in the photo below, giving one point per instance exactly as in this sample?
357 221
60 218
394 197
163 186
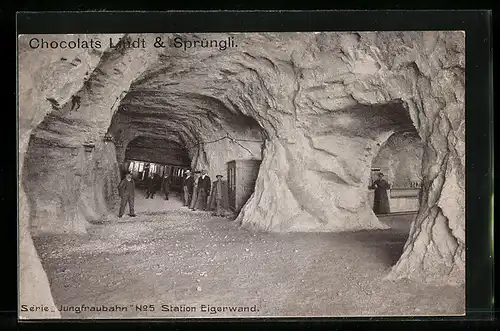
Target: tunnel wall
46 78
72 186
89 178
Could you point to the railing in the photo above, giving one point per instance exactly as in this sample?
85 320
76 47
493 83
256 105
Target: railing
401 199
404 193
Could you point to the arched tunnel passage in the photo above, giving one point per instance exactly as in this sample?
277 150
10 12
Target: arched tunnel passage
204 136
314 133
395 176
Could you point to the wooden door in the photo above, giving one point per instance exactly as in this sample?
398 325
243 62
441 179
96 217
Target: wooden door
231 184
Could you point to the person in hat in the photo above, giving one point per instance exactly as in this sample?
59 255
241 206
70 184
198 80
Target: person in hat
219 197
151 183
203 190
126 189
381 200
187 187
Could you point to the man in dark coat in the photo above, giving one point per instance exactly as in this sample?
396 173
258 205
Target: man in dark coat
157 182
165 185
219 199
151 186
187 187
203 189
381 200
126 190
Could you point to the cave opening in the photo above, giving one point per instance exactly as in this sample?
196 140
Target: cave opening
157 167
399 162
394 155
159 139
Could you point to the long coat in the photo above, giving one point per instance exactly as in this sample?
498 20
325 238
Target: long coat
189 183
219 193
151 184
204 183
381 200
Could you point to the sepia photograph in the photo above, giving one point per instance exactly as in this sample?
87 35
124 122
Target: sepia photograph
223 175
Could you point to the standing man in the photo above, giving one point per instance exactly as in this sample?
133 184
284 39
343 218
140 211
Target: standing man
381 200
165 185
187 187
218 197
204 185
126 190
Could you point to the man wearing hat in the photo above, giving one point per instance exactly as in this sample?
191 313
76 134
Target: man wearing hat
203 190
218 197
187 187
151 182
381 200
126 190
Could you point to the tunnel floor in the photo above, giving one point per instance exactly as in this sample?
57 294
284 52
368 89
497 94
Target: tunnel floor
168 255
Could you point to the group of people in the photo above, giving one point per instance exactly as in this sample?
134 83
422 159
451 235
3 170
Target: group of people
154 181
196 189
201 194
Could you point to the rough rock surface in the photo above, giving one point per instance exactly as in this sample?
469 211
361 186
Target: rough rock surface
50 76
320 101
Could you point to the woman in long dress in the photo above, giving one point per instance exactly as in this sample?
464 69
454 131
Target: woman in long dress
381 200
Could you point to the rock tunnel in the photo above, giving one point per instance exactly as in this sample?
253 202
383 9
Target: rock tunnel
315 108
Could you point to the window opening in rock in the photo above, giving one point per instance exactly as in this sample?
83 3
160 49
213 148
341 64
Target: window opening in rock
399 160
